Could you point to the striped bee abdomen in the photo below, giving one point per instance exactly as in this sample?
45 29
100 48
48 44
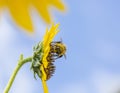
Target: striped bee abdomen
57 50
50 70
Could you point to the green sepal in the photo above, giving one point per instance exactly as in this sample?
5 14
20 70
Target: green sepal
37 58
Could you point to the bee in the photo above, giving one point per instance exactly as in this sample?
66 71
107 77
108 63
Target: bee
57 49
49 70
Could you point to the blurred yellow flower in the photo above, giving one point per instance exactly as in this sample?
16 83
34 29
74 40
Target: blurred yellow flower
49 36
19 10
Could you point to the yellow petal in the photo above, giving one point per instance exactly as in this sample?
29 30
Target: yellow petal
2 3
49 35
42 8
19 10
20 13
43 72
58 4
44 86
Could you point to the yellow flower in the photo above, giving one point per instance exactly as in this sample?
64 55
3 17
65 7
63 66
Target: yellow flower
49 36
19 10
45 53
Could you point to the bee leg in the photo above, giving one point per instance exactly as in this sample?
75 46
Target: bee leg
58 57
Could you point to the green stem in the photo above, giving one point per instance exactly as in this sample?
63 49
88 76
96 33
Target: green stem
21 62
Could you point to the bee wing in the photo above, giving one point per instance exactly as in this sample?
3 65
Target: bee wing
61 40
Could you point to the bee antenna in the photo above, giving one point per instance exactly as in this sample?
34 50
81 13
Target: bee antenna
65 56
61 40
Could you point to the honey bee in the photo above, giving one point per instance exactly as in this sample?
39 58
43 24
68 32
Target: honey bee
57 50
49 70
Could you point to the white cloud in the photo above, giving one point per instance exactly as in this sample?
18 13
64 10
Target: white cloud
72 88
106 82
6 33
6 37
22 84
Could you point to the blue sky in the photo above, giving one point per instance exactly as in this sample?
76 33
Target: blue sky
90 29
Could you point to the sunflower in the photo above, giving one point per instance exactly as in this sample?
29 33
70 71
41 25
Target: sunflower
46 44
40 63
19 10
